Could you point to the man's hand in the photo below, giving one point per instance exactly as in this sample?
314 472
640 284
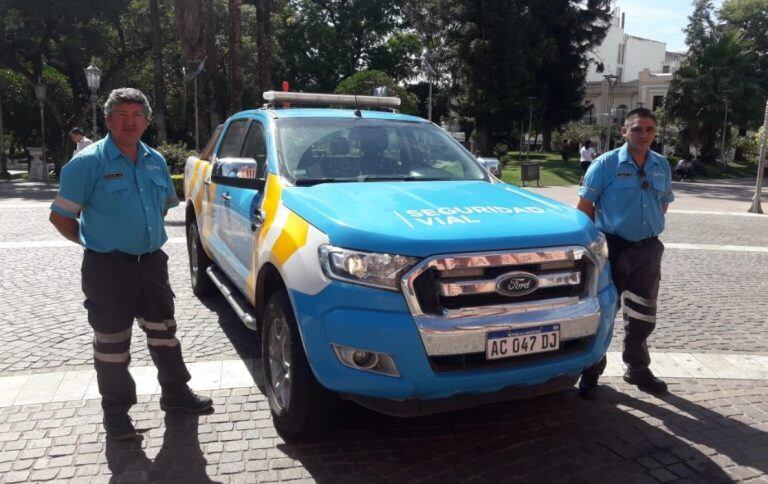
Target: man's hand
68 227
587 207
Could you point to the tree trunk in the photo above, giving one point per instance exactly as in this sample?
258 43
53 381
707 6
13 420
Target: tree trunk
235 58
546 139
157 51
482 129
196 31
264 43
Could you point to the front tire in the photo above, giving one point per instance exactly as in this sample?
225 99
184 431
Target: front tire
300 405
202 285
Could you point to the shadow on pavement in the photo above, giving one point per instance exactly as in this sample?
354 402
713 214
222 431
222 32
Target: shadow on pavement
555 438
246 343
30 191
179 460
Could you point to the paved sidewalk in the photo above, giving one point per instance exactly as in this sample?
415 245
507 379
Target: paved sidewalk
712 346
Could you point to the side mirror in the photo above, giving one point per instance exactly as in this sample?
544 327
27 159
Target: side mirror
238 172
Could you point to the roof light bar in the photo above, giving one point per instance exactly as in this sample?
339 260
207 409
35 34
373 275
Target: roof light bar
331 99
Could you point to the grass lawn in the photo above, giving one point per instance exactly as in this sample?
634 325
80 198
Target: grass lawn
555 172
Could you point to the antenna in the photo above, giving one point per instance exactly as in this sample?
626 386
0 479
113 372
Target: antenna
357 108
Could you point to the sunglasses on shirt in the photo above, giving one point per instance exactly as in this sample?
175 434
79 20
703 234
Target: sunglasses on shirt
646 183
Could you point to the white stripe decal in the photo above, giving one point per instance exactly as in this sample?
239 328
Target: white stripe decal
67 205
649 303
161 326
113 337
112 358
163 342
642 317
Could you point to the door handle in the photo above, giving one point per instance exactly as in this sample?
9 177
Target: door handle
226 196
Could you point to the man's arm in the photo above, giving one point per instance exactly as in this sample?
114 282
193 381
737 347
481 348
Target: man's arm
587 207
68 227
664 207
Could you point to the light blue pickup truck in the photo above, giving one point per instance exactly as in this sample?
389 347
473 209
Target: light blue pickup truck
383 264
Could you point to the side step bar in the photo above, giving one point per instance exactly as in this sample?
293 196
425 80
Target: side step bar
233 297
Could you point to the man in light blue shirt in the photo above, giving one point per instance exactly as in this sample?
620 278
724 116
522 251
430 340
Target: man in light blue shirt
112 200
626 192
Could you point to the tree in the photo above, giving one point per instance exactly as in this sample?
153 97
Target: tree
364 82
264 43
323 42
718 74
159 76
500 54
235 57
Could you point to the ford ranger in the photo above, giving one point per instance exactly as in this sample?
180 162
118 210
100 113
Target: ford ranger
382 263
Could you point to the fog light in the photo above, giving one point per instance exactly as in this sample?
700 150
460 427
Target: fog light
364 360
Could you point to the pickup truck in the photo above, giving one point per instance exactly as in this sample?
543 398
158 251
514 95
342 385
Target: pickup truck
383 264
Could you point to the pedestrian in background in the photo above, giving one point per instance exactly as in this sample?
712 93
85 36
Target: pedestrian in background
112 200
78 137
586 155
626 192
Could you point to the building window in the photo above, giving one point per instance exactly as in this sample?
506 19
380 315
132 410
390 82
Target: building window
658 101
665 69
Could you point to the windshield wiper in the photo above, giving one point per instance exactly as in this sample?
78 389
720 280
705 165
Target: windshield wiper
368 178
305 182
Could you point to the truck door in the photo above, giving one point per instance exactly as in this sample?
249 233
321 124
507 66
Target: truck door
223 168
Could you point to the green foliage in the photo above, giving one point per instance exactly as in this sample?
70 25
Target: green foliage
500 150
178 185
720 71
364 82
749 145
175 155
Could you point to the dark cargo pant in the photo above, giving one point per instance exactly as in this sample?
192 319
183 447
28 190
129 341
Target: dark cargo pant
117 291
636 272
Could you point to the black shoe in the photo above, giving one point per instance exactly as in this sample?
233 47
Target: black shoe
588 387
119 427
646 382
187 401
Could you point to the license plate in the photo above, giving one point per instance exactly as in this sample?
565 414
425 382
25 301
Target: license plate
524 341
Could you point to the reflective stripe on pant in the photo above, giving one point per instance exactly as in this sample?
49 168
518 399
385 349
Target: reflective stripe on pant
117 291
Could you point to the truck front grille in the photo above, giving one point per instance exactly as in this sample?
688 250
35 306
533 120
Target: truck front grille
457 285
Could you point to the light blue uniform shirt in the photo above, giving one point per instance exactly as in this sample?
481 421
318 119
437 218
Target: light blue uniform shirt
613 184
121 205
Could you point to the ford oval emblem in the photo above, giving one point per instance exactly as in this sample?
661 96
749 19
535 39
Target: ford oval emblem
516 284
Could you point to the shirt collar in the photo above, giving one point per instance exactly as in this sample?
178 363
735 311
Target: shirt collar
114 152
626 157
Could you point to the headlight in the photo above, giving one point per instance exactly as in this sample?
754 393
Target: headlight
366 268
599 249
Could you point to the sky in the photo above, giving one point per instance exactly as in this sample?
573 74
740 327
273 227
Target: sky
662 20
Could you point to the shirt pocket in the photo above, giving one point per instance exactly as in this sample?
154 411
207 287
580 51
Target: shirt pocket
159 190
626 182
117 191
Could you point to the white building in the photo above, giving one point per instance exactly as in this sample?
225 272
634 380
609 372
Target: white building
626 55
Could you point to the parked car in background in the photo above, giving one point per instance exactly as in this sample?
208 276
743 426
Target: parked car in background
491 164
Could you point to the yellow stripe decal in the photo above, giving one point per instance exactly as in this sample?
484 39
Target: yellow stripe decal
293 237
272 194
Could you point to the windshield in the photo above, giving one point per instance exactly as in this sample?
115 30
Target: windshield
317 150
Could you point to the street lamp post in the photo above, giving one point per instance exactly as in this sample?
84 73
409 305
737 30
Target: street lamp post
611 79
531 99
93 78
40 95
722 145
3 160
756 208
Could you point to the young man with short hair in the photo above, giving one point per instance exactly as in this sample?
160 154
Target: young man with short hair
626 192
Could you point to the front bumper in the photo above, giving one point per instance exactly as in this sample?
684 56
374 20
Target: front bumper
377 320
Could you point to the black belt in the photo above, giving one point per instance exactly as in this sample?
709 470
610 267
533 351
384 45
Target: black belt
615 239
125 256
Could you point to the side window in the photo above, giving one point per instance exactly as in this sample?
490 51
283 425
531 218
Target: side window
233 139
255 146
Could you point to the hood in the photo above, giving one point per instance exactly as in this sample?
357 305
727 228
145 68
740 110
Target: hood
439 217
